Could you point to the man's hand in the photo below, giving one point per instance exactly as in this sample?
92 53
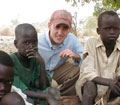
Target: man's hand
69 54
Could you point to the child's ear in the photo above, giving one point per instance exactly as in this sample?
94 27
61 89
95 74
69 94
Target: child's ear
98 30
15 43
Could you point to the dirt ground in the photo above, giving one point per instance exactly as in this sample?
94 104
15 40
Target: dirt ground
7 44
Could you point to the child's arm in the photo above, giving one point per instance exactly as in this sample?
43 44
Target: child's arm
114 85
43 80
39 95
52 97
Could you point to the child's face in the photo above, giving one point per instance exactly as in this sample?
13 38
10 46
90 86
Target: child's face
6 79
26 42
110 29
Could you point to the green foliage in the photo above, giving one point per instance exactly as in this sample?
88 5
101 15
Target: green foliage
74 2
91 23
90 26
101 5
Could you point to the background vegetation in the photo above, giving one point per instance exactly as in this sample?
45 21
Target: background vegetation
81 28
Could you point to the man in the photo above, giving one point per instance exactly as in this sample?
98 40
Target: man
56 46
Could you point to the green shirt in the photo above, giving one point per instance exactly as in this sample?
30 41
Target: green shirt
27 78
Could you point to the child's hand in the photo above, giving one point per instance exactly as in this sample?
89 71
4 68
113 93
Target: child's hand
115 87
33 53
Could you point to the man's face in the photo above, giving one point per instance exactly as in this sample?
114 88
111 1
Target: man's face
110 29
58 33
26 42
6 79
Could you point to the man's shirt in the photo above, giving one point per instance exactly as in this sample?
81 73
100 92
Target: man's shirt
50 53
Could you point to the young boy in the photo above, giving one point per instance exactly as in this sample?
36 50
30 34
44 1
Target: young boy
12 98
30 75
6 76
100 72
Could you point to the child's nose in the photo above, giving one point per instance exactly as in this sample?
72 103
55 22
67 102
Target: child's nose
112 30
31 46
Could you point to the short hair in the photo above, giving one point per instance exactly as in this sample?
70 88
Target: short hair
24 29
5 59
111 13
12 98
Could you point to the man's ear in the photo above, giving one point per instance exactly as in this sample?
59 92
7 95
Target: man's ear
98 30
15 43
49 25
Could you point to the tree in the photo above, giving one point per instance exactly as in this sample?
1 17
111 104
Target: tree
6 31
101 5
90 26
74 24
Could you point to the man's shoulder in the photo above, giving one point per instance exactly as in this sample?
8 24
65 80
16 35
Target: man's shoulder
41 35
71 36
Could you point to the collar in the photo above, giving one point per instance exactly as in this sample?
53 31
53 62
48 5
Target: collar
50 44
100 43
118 43
48 39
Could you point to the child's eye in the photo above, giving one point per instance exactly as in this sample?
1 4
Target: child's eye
8 82
26 42
116 28
107 28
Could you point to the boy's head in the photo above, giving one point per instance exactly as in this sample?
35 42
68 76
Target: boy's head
108 26
6 73
25 38
12 98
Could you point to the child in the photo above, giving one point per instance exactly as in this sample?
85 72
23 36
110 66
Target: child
12 98
30 75
6 73
100 72
7 76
